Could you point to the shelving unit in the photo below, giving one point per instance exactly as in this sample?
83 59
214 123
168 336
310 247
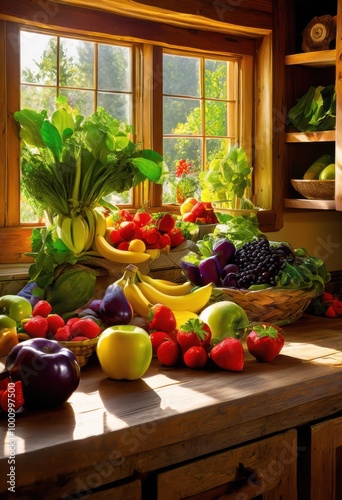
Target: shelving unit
302 70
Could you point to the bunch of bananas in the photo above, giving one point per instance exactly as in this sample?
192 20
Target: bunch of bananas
143 291
78 232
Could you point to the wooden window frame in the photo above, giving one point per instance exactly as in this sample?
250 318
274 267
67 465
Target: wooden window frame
257 48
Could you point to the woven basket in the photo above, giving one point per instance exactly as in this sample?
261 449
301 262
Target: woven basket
278 306
315 189
82 350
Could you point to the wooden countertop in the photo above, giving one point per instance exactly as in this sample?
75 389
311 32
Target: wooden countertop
120 429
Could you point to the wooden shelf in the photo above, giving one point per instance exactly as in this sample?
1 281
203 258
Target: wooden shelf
309 204
319 58
325 136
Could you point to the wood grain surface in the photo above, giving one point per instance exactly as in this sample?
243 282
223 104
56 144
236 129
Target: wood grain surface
118 429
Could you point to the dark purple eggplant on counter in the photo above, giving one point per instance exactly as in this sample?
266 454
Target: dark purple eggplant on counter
114 307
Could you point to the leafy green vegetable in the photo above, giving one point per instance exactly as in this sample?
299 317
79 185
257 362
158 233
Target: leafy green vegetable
315 111
69 162
227 178
49 253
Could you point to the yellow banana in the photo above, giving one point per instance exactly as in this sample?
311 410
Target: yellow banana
79 233
164 287
136 298
192 301
115 255
90 218
101 225
183 316
65 234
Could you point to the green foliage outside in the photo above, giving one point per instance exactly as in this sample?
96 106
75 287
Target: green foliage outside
183 116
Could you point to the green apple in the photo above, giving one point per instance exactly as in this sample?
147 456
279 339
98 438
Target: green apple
328 172
226 319
124 352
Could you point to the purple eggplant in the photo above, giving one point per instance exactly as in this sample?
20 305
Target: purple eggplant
88 312
191 272
209 271
225 251
32 292
229 281
229 268
95 305
115 308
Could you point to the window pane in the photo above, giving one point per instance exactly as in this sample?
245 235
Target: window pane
83 100
215 118
118 105
216 146
181 116
212 116
114 68
125 198
181 75
174 150
38 57
38 98
76 63
215 79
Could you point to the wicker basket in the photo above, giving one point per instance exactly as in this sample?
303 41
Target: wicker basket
315 189
82 350
278 306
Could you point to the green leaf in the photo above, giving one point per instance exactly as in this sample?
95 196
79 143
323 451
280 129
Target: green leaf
31 122
148 168
63 122
52 139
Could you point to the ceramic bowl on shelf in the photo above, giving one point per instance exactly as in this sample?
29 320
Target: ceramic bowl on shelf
315 189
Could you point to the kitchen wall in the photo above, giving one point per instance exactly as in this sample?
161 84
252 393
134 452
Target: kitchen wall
320 232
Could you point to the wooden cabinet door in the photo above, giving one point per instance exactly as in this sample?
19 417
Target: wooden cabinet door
264 469
326 460
128 491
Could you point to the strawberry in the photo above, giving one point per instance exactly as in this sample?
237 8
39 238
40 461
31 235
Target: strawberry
168 353
63 333
115 237
196 357
125 215
330 312
193 333
199 210
189 217
164 243
36 326
73 320
127 230
151 236
157 338
79 338
86 327
55 321
13 399
161 317
165 222
42 308
228 354
265 342
142 218
176 237
123 245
